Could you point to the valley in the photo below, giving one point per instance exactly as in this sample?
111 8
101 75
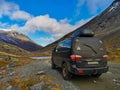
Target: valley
18 71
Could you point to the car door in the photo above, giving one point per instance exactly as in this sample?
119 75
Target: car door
56 54
64 51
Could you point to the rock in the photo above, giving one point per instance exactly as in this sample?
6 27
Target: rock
116 81
0 72
9 88
11 73
109 72
8 58
1 77
15 88
39 86
40 72
9 79
11 69
13 64
12 88
94 81
3 68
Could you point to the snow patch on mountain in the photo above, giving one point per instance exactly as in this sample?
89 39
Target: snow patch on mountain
116 5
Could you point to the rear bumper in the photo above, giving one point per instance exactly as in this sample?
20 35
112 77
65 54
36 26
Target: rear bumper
89 71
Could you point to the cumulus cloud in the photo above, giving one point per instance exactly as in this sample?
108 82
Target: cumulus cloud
7 8
20 15
50 25
12 11
47 39
42 23
47 24
4 25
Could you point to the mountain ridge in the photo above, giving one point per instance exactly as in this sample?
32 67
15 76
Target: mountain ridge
105 25
18 39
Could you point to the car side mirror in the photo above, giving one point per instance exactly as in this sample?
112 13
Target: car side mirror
55 50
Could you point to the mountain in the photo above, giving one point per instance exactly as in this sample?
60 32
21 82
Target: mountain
106 26
18 39
6 48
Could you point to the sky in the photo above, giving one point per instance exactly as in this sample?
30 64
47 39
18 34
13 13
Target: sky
45 21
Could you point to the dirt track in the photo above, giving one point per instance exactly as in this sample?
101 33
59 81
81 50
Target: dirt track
108 81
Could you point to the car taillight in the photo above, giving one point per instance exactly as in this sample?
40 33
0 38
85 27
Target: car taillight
75 57
105 57
80 71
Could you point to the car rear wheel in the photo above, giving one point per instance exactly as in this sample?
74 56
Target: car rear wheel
65 73
53 66
96 75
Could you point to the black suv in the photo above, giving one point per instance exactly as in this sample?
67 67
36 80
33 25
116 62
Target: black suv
81 54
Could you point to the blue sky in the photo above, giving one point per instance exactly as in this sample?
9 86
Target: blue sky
45 21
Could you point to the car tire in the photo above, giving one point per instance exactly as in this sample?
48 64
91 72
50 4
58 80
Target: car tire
53 66
65 73
96 75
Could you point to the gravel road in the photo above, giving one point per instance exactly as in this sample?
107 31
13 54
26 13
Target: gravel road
108 81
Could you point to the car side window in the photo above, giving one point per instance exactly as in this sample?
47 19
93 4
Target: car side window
76 33
58 47
67 44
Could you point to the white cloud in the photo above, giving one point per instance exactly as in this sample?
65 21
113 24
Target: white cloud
47 24
20 15
13 11
4 25
47 39
7 8
50 25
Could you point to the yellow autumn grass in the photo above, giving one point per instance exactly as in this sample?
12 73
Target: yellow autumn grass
25 84
114 55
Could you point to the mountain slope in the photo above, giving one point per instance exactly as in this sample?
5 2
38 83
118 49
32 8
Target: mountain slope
12 49
18 39
106 26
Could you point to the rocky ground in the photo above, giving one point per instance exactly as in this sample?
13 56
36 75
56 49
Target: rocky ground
25 74
38 75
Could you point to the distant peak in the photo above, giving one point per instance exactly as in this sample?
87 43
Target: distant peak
114 6
10 31
15 31
15 34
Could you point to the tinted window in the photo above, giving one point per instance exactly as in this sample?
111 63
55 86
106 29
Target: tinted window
59 46
67 44
76 33
64 45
